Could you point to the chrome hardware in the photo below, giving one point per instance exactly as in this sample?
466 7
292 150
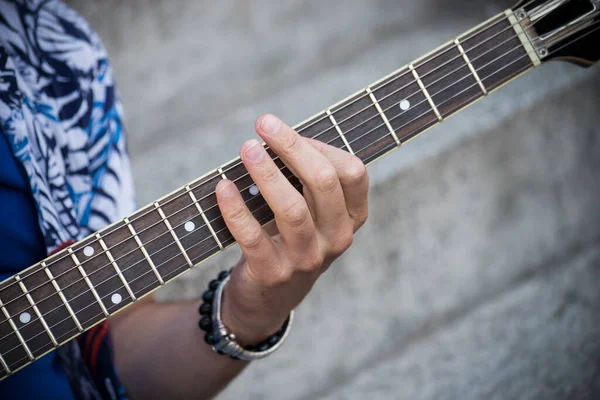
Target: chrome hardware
542 43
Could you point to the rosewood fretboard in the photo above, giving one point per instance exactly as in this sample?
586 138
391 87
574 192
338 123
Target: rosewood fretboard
66 294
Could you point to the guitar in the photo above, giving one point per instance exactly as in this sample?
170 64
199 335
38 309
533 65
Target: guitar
69 292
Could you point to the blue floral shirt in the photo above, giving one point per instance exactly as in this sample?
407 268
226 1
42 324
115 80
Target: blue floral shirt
61 119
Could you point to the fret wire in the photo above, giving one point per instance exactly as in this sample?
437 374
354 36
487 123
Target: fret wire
339 131
208 224
141 276
471 67
115 266
512 38
17 332
426 93
222 173
36 310
437 55
87 281
62 297
168 224
143 249
5 365
383 116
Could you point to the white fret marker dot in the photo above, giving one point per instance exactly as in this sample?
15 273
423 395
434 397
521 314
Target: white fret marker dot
189 226
25 317
116 298
404 105
88 251
254 190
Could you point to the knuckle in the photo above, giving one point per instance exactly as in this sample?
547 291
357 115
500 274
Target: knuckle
327 179
252 239
362 219
292 145
270 174
312 262
342 242
356 171
237 216
297 214
316 262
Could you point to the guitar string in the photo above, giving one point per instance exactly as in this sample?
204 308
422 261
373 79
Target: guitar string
214 248
472 35
246 175
320 134
191 205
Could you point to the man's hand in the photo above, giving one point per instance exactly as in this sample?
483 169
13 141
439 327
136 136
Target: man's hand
272 278
277 272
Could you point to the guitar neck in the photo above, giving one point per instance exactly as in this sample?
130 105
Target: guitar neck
64 295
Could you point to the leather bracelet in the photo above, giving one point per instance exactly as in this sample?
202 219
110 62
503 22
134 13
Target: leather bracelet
221 339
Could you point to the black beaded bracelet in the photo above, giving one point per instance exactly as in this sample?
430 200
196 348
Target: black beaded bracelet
206 323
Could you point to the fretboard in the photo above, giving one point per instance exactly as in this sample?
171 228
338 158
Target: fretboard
80 286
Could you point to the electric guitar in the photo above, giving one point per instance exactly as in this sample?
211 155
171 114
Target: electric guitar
69 292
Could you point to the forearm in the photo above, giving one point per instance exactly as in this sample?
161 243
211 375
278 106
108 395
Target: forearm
160 353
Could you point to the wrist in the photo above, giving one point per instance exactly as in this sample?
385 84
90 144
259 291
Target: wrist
248 325
250 343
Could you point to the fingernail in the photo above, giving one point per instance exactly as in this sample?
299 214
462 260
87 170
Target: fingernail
226 190
255 152
271 125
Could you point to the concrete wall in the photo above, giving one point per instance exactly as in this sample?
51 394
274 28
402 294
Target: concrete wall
476 276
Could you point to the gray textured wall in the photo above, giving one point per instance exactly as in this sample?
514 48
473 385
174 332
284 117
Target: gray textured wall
477 274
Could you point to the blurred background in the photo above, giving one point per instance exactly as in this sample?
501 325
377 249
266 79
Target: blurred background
477 275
